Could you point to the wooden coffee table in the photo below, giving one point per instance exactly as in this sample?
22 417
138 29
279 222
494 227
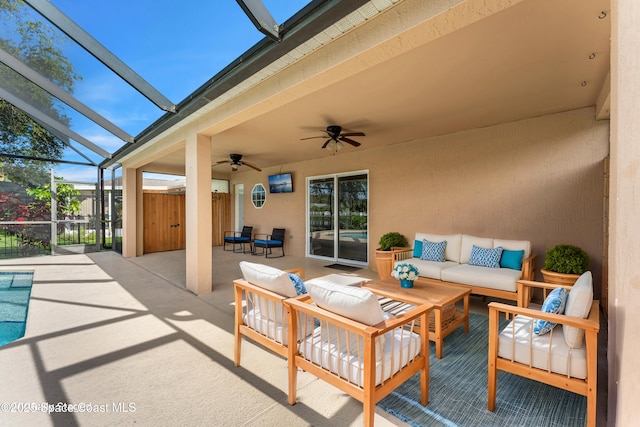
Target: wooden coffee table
436 293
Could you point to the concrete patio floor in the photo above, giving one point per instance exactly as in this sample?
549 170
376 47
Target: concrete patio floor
125 343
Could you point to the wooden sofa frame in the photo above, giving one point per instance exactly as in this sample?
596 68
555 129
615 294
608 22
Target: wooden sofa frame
586 387
528 273
243 291
370 393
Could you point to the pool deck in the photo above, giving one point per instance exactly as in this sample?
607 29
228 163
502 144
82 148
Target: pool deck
125 343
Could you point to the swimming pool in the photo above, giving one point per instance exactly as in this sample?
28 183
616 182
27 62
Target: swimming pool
15 292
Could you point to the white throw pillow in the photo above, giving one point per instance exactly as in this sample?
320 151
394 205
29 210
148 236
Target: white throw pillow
578 305
357 304
267 277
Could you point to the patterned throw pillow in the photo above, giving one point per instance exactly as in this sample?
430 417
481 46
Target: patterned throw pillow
298 284
432 251
485 257
553 303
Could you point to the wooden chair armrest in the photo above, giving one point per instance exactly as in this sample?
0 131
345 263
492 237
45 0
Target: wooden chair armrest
592 323
401 254
529 267
525 287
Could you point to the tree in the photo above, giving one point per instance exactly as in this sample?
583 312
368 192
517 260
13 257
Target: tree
31 236
38 45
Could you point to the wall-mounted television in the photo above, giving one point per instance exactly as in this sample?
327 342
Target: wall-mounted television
281 183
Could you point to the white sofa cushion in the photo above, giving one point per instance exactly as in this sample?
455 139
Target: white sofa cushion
275 328
467 245
431 269
451 250
267 277
514 245
503 279
357 304
548 351
399 348
578 305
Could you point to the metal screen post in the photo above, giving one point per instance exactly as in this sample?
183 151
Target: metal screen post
54 214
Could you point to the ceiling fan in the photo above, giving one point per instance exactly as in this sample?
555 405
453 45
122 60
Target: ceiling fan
335 138
236 162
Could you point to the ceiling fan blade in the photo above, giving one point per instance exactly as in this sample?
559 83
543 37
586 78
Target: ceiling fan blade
223 161
314 137
353 134
349 141
326 143
252 166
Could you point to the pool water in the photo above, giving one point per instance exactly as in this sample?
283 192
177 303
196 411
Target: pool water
15 292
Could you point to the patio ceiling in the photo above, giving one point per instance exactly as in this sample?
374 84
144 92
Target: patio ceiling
535 58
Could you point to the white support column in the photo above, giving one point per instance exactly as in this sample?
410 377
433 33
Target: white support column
129 213
198 213
624 211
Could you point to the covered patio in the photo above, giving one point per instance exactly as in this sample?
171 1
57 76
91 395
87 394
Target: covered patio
126 338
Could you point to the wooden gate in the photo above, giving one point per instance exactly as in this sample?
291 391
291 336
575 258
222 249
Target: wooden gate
164 221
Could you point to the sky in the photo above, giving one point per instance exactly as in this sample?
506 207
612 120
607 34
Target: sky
175 46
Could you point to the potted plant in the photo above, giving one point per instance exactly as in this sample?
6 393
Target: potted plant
563 264
388 244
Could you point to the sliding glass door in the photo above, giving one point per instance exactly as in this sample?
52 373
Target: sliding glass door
337 207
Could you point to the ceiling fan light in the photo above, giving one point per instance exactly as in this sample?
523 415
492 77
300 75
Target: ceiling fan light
331 145
235 166
339 145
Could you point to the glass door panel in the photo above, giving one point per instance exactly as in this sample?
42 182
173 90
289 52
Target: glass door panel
352 218
321 217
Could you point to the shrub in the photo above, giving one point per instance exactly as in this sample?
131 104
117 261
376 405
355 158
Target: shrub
567 259
392 239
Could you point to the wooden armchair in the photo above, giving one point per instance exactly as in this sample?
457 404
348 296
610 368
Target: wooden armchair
259 311
559 358
366 361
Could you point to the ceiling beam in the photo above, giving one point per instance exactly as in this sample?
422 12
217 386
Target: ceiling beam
51 124
261 18
101 53
53 89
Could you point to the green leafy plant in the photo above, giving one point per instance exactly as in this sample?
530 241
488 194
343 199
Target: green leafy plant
567 259
392 239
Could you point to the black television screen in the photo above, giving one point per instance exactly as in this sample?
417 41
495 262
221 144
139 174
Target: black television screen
280 183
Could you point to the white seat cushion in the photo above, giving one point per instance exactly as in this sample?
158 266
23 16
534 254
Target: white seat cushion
578 305
321 348
468 242
451 250
503 279
514 245
267 277
549 351
275 330
431 269
357 304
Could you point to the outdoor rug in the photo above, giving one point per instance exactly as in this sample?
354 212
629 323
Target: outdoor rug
343 267
458 390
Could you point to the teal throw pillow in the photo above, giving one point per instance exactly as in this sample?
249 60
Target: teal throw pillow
417 248
298 284
485 257
553 303
512 259
433 251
